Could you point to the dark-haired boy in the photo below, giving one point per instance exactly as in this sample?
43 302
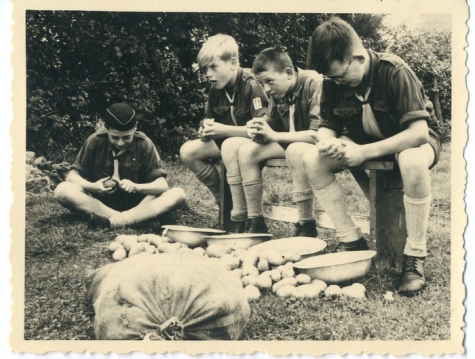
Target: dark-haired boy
373 105
234 98
292 116
117 177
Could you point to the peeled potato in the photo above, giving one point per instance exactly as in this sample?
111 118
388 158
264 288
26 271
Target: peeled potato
129 242
292 257
288 272
310 290
199 250
249 280
252 293
137 248
263 265
284 282
264 282
250 270
122 237
303 279
119 253
332 290
286 291
113 246
142 238
275 275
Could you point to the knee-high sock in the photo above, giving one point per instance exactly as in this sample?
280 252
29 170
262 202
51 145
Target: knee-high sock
417 219
304 202
239 211
100 209
333 201
209 176
253 191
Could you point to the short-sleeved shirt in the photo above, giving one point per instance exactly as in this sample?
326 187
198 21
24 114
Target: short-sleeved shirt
140 163
397 98
306 97
250 101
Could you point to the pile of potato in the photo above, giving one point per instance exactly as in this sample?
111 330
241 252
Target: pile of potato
267 271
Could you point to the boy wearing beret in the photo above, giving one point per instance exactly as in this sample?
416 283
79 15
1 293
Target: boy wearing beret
117 179
292 116
235 97
373 105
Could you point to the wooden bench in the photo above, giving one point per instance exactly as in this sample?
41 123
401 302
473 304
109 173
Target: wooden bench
382 185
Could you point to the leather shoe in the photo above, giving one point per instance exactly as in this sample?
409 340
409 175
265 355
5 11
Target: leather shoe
307 229
412 278
358 245
256 225
237 227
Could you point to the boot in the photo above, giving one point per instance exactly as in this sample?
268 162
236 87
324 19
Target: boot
358 245
256 225
307 229
237 227
412 278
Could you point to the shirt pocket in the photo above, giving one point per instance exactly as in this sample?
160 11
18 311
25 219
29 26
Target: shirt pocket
242 114
103 167
346 112
388 122
131 169
221 110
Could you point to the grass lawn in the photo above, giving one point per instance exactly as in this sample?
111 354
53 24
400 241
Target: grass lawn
59 250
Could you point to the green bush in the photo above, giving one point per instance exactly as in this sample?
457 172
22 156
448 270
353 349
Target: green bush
78 63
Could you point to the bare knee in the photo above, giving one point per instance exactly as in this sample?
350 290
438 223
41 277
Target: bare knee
247 154
294 153
414 172
66 193
188 152
178 195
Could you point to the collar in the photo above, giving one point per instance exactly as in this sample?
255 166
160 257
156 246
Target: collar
369 80
130 148
297 90
238 81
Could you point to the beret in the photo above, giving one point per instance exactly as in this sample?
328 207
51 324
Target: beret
120 116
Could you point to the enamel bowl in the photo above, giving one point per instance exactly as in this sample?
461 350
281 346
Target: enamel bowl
239 240
339 267
305 246
192 237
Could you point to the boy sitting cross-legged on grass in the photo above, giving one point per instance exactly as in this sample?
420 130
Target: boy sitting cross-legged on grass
235 97
117 177
373 105
292 116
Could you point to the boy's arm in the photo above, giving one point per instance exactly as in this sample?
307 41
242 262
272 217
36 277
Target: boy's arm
154 188
93 187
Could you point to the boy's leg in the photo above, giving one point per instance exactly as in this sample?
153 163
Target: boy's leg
195 155
414 164
76 199
251 156
150 207
331 196
302 191
230 150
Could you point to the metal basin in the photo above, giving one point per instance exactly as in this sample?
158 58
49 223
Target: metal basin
192 237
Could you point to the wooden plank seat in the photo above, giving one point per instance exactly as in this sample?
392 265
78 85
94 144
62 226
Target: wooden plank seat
382 184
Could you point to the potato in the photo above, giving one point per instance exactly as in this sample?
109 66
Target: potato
249 259
129 243
299 293
218 250
264 282
274 257
332 290
303 279
185 249
267 273
289 272
229 262
354 291
237 272
151 249
252 293
162 247
155 239
263 265
292 257
142 238
319 284
310 290
199 250
281 268
119 253
110 183
284 282
275 275
250 270
122 237
286 291
113 246
137 248
167 239
249 280
359 286
172 247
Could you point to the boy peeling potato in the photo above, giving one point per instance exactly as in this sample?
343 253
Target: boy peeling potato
117 179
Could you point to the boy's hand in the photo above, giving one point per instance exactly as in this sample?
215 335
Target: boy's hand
128 186
214 129
259 131
352 154
98 187
330 148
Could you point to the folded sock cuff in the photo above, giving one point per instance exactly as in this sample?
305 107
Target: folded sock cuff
417 201
300 196
252 182
205 172
234 179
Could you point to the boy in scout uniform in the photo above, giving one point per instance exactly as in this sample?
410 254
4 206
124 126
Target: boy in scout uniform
234 98
117 179
373 105
292 116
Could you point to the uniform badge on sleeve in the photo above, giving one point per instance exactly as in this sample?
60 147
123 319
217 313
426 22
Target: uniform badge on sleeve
257 103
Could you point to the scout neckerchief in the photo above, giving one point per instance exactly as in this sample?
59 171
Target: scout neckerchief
116 163
370 125
291 113
231 103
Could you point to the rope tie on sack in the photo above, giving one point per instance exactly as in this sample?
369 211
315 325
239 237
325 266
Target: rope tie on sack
172 329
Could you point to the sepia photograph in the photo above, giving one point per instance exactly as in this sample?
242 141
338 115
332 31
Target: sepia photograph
287 181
